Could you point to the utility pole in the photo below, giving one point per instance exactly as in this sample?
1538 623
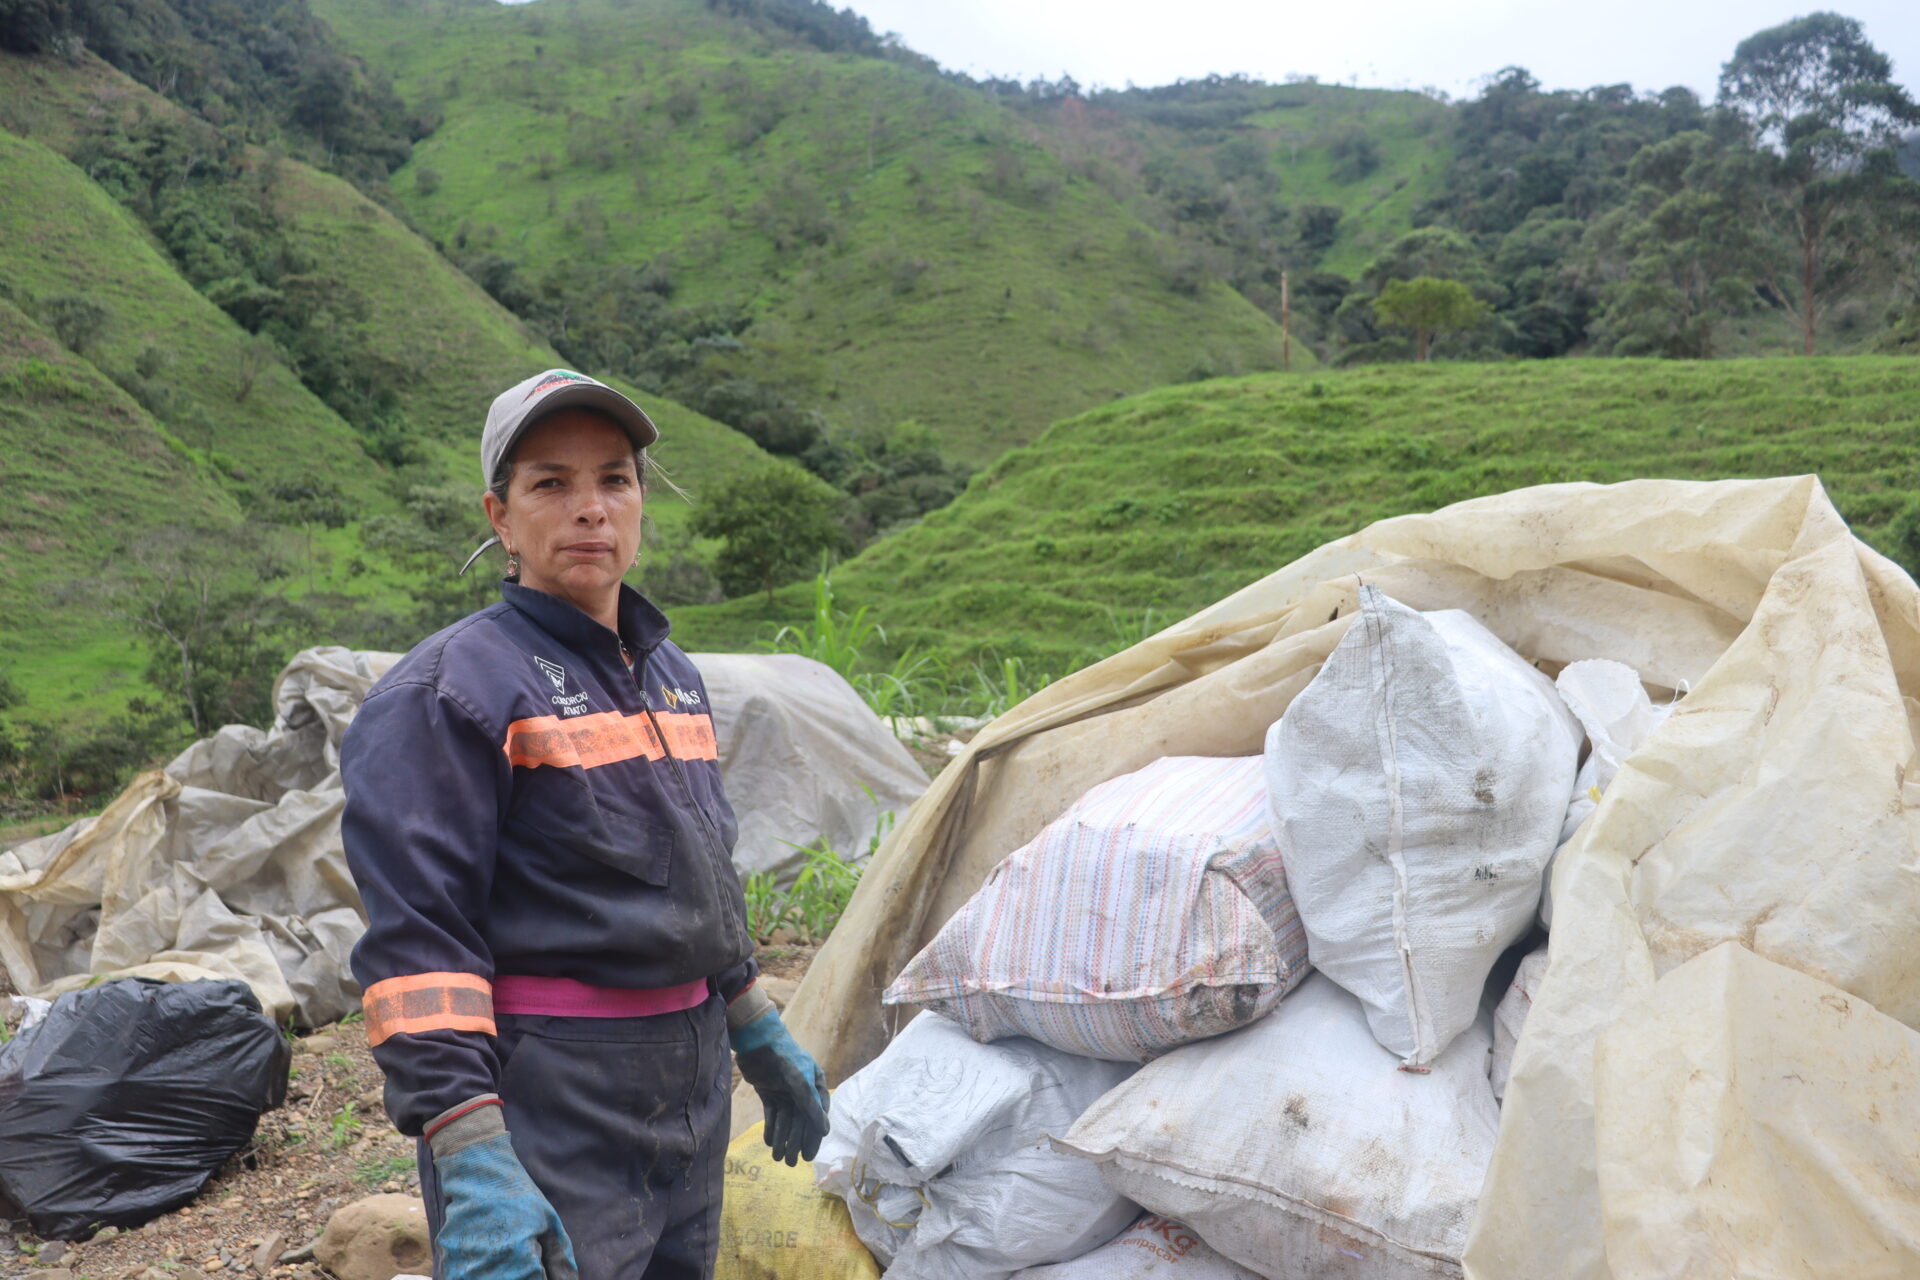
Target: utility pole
1286 324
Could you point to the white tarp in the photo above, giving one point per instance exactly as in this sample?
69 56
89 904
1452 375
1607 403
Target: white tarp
1823 1178
1778 807
802 756
228 863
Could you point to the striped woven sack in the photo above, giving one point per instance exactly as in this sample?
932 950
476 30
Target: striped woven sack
1152 913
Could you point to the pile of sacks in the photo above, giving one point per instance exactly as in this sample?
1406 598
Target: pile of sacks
1232 1017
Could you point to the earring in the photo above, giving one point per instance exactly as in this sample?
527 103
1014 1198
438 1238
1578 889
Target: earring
636 559
513 563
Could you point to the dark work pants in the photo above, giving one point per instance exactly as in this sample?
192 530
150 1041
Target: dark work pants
622 1122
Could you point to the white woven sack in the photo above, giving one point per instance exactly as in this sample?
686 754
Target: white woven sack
1154 912
940 1148
1611 704
1510 1017
1418 785
1299 1147
1153 1248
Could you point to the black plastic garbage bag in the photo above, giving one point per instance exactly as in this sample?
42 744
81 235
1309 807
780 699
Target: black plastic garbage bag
123 1101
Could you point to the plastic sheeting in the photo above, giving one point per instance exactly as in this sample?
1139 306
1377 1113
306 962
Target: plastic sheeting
121 1103
802 756
1778 807
1824 1179
227 863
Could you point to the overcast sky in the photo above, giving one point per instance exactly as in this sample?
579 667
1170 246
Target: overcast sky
1651 44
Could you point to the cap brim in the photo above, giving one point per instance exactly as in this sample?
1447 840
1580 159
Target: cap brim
585 395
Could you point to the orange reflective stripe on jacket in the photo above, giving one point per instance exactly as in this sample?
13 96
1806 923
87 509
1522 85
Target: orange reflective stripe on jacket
428 1002
608 737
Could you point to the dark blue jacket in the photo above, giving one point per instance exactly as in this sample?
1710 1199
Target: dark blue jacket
518 802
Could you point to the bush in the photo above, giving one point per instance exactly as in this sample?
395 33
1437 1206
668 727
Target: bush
77 320
1355 154
54 763
774 523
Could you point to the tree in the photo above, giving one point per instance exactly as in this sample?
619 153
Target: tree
77 320
1355 154
773 522
1437 252
32 26
1428 306
1823 68
1317 227
1839 229
305 503
1431 251
1548 304
441 527
1822 100
218 634
252 359
1679 255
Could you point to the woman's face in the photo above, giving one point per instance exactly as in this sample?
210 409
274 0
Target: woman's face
572 513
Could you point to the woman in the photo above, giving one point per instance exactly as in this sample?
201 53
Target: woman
556 955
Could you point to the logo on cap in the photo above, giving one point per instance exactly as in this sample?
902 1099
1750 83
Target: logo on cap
554 379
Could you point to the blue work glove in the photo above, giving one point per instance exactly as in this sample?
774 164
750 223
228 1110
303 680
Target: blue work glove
495 1223
792 1088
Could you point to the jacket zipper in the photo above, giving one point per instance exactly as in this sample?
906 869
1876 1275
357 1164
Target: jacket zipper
716 846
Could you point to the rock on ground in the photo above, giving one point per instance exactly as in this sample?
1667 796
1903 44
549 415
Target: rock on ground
376 1239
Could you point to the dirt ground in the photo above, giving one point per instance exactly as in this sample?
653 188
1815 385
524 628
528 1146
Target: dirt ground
329 1145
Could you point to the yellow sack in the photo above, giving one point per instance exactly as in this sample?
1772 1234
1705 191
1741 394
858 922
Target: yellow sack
774 1225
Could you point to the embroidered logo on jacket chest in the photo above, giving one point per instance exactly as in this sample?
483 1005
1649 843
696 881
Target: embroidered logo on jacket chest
676 697
570 704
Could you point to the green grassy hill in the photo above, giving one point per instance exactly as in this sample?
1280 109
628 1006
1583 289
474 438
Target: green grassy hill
65 237
1174 499
86 469
903 247
1188 154
1311 125
449 346
452 346
209 418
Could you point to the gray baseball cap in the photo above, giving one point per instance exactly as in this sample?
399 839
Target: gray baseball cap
524 403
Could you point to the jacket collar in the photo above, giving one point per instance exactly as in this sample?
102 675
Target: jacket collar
642 625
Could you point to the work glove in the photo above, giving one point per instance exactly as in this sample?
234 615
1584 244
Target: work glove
495 1223
792 1088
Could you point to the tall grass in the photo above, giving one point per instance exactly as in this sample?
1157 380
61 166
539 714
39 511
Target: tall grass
917 683
812 905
